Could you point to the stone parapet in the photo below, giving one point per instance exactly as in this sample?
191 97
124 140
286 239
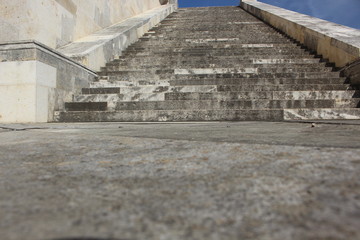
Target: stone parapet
97 49
36 80
337 43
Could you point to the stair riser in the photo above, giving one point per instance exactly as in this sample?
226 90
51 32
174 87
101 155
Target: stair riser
257 88
111 99
316 114
255 81
212 88
203 62
225 46
230 28
235 105
278 95
217 88
171 116
258 37
140 76
248 52
240 59
149 66
216 82
217 96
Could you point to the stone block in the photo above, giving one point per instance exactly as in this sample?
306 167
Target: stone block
36 80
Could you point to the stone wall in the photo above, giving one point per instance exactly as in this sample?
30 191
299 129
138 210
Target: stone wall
58 22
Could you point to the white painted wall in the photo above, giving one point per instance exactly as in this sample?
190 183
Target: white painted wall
58 22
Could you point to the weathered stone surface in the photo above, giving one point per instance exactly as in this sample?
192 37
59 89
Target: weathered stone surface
339 44
230 181
59 22
195 67
35 81
103 46
89 106
352 71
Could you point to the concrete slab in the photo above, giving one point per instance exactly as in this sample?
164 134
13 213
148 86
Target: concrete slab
219 180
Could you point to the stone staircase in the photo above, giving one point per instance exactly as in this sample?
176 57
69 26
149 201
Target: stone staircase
214 64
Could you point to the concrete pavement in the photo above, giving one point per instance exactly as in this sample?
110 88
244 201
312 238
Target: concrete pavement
217 180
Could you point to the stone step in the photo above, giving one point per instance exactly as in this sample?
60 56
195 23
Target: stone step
225 26
170 115
222 46
255 81
237 105
225 48
212 94
102 90
219 81
283 87
148 66
296 75
137 75
216 52
145 82
215 61
112 99
208 115
232 31
271 95
156 89
198 41
210 105
124 66
86 106
322 113
196 36
215 88
209 57
211 71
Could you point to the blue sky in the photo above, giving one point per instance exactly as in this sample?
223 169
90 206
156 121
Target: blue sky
345 12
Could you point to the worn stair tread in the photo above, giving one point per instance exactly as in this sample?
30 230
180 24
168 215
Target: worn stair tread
322 113
291 95
171 115
192 68
208 115
236 105
220 81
